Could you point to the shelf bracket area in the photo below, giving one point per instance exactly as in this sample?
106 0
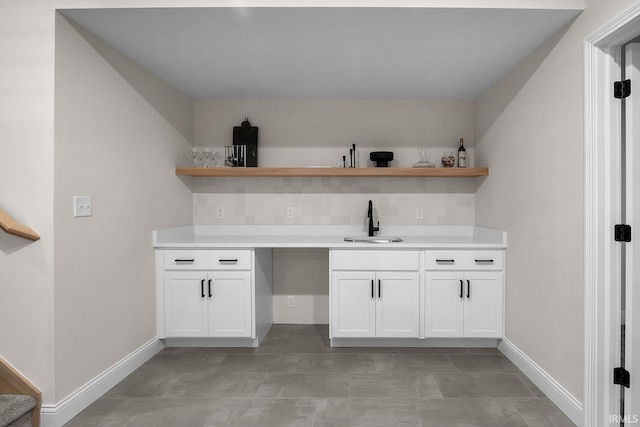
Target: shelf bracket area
9 226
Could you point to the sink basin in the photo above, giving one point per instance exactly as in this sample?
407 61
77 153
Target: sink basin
374 239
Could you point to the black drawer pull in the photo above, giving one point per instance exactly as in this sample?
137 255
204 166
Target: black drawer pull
202 288
372 294
184 260
445 260
228 261
468 289
379 291
210 289
461 291
488 261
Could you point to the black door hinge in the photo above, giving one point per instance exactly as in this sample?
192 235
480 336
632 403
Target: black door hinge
621 376
622 89
622 233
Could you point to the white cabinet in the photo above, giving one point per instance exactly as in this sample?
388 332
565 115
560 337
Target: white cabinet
230 304
372 294
207 294
398 304
213 304
353 304
185 306
461 301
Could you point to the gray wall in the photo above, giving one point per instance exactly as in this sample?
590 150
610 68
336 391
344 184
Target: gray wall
119 147
539 114
529 131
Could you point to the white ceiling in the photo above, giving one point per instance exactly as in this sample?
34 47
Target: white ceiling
326 53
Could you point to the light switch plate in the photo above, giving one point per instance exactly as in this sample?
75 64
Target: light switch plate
81 206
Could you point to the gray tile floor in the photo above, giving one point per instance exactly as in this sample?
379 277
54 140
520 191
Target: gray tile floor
295 379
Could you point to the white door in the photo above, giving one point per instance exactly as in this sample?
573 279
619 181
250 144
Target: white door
185 304
483 305
444 316
631 316
353 305
398 305
229 294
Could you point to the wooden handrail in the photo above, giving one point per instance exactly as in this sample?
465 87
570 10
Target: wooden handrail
12 382
8 225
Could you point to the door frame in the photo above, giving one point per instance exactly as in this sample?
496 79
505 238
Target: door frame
602 187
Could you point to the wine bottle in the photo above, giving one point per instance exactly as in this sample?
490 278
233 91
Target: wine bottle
462 155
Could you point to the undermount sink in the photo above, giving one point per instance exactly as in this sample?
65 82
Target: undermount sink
374 239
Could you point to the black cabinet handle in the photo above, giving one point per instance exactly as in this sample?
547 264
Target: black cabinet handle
228 261
487 261
210 289
461 291
446 260
184 260
468 288
372 294
379 291
202 288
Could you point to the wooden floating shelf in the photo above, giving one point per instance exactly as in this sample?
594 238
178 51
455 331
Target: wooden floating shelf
9 226
337 172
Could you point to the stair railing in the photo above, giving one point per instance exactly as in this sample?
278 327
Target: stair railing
10 226
12 382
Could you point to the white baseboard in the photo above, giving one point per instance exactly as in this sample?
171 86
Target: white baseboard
210 342
60 413
564 400
415 342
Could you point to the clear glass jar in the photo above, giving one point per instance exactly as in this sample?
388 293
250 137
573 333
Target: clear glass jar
448 160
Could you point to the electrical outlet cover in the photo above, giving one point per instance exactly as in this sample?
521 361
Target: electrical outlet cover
81 206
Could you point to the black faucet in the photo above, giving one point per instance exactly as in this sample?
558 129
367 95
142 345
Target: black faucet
372 229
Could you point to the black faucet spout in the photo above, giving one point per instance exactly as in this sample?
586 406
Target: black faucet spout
372 229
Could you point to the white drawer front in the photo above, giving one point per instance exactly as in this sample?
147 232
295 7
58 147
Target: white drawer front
207 259
464 260
380 260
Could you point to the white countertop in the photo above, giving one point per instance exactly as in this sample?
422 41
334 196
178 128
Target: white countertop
326 236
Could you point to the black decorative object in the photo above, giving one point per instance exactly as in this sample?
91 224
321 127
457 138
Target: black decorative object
245 134
382 158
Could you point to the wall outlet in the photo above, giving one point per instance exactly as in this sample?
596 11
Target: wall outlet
290 212
291 302
419 213
81 206
220 213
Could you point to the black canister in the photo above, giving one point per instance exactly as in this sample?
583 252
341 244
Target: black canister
245 134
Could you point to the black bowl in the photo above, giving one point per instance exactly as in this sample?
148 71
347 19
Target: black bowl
382 158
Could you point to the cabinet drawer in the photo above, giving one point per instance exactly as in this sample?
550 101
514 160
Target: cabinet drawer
376 260
464 260
217 259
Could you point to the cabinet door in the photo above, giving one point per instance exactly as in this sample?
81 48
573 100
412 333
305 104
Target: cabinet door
397 305
444 315
353 307
185 305
483 306
230 304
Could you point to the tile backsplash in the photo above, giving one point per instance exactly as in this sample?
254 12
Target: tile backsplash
329 201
